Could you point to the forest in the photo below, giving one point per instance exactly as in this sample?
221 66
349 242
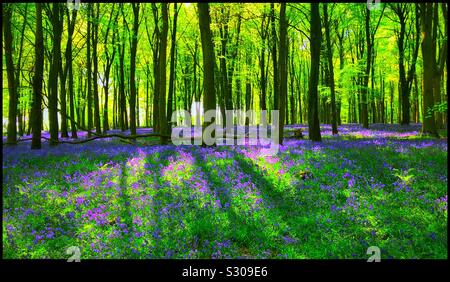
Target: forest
93 92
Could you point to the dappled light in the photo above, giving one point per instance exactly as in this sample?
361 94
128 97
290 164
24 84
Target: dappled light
308 201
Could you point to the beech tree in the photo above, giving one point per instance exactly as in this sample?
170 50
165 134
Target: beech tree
209 97
315 42
36 111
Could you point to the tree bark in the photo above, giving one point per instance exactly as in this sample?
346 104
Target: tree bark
334 129
315 39
56 20
209 97
163 124
12 89
70 30
274 59
262 62
282 60
170 98
21 109
36 111
63 71
156 51
94 38
89 68
428 125
107 67
133 68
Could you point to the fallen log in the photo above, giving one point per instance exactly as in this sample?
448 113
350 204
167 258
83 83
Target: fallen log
127 137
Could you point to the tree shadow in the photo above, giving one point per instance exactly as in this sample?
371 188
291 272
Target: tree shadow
156 204
282 205
125 213
252 229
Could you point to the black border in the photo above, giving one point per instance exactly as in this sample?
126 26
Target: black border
276 269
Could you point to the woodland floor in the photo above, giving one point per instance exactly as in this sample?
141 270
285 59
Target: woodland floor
384 187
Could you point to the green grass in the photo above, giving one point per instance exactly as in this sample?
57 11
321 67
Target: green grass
226 202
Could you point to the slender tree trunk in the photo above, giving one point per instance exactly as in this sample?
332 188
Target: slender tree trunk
122 101
172 64
107 68
94 38
89 70
62 95
416 100
391 101
133 68
313 109
382 108
162 74
274 59
248 97
116 98
21 111
36 111
209 97
292 99
263 98
147 100
364 110
54 71
70 30
12 89
438 65
233 56
334 129
403 84
282 60
226 93
428 125
156 75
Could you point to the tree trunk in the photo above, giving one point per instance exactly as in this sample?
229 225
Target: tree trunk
54 71
262 62
334 129
147 99
36 111
364 110
416 100
107 68
313 109
21 111
170 98
226 93
209 97
164 130
282 60
12 89
94 38
156 87
248 97
274 59
70 30
62 95
428 125
292 100
438 66
89 70
133 68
